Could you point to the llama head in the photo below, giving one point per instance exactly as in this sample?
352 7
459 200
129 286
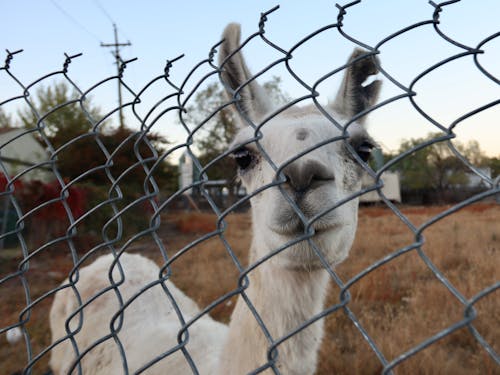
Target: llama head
313 179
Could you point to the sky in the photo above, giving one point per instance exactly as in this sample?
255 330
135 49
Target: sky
161 30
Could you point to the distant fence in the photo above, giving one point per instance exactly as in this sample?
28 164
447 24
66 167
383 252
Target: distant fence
70 215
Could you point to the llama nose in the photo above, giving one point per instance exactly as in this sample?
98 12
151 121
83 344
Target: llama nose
305 175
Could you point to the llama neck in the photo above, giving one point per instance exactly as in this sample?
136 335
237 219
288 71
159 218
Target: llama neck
284 299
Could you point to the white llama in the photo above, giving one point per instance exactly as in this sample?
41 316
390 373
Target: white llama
286 290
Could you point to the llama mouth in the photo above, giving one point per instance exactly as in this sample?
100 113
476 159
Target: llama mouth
296 228
288 223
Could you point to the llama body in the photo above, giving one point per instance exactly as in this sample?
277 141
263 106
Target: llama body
286 290
150 324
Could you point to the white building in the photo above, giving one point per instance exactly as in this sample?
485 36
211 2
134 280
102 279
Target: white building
19 150
476 181
188 174
391 188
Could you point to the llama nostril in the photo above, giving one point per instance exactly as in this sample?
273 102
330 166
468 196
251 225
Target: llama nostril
302 176
297 181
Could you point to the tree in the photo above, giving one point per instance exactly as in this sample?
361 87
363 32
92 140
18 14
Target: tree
436 166
494 164
213 138
63 119
68 128
274 92
82 156
216 134
473 153
5 120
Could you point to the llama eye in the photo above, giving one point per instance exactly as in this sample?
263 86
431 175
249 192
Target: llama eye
364 150
243 157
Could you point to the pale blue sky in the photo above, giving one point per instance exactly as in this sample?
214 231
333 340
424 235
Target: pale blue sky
160 30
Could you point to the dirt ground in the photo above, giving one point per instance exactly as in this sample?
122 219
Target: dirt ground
400 304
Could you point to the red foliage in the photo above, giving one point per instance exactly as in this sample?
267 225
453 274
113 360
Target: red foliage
36 193
18 184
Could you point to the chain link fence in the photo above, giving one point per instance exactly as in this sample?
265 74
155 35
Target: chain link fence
54 227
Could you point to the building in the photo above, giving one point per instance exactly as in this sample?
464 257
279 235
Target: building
19 151
391 189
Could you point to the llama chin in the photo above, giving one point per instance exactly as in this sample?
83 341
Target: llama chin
287 289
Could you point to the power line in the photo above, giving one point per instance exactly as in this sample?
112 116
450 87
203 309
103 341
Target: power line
116 45
74 20
108 16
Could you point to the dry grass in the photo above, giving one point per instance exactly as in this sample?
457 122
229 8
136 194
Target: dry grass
400 304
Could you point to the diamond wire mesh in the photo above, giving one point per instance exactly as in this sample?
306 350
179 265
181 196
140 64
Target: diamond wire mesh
116 242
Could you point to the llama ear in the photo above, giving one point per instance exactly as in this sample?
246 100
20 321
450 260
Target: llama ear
353 97
235 74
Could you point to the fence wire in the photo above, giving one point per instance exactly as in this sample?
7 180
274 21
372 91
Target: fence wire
115 237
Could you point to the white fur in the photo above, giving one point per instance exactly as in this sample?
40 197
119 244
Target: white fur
14 335
286 290
150 324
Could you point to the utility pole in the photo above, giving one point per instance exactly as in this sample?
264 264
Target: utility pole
116 53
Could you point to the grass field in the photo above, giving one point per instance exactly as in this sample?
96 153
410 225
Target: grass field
400 304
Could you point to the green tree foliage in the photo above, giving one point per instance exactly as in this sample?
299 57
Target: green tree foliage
5 119
494 164
472 152
59 114
214 136
68 126
436 166
98 157
274 92
220 127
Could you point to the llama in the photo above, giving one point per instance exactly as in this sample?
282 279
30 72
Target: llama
287 289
